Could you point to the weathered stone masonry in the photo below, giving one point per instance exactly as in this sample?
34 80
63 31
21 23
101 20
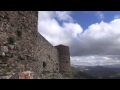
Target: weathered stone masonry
64 59
22 48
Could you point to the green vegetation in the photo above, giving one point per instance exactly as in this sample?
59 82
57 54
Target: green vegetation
11 40
19 33
80 75
4 59
20 58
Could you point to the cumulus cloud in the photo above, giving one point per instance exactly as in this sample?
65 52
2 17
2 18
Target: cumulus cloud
64 15
100 15
95 60
53 32
98 44
100 39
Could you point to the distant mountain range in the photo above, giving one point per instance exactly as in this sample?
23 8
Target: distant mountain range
77 74
99 72
113 66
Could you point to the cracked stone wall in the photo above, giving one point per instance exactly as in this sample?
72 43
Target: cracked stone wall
18 35
23 49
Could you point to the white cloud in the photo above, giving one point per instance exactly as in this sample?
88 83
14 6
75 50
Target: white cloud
72 29
45 15
98 39
94 60
100 15
64 16
53 32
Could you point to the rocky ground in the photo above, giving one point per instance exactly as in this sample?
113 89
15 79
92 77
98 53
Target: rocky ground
7 73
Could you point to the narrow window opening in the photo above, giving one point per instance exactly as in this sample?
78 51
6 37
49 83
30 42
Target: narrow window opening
44 64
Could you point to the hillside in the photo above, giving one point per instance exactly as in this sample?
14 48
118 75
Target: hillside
77 74
100 72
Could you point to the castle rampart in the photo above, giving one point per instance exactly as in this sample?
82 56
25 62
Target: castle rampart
22 48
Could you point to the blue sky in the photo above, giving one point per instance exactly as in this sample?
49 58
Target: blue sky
85 18
92 36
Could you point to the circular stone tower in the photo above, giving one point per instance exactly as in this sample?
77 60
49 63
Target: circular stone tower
64 59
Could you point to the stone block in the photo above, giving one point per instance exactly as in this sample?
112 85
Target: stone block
11 47
4 49
26 75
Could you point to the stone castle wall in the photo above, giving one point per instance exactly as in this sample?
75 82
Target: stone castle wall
47 54
64 58
22 48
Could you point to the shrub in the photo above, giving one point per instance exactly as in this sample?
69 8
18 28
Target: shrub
11 40
4 59
19 33
20 57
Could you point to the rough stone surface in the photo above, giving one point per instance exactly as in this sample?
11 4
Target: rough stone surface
64 58
25 49
4 48
26 75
